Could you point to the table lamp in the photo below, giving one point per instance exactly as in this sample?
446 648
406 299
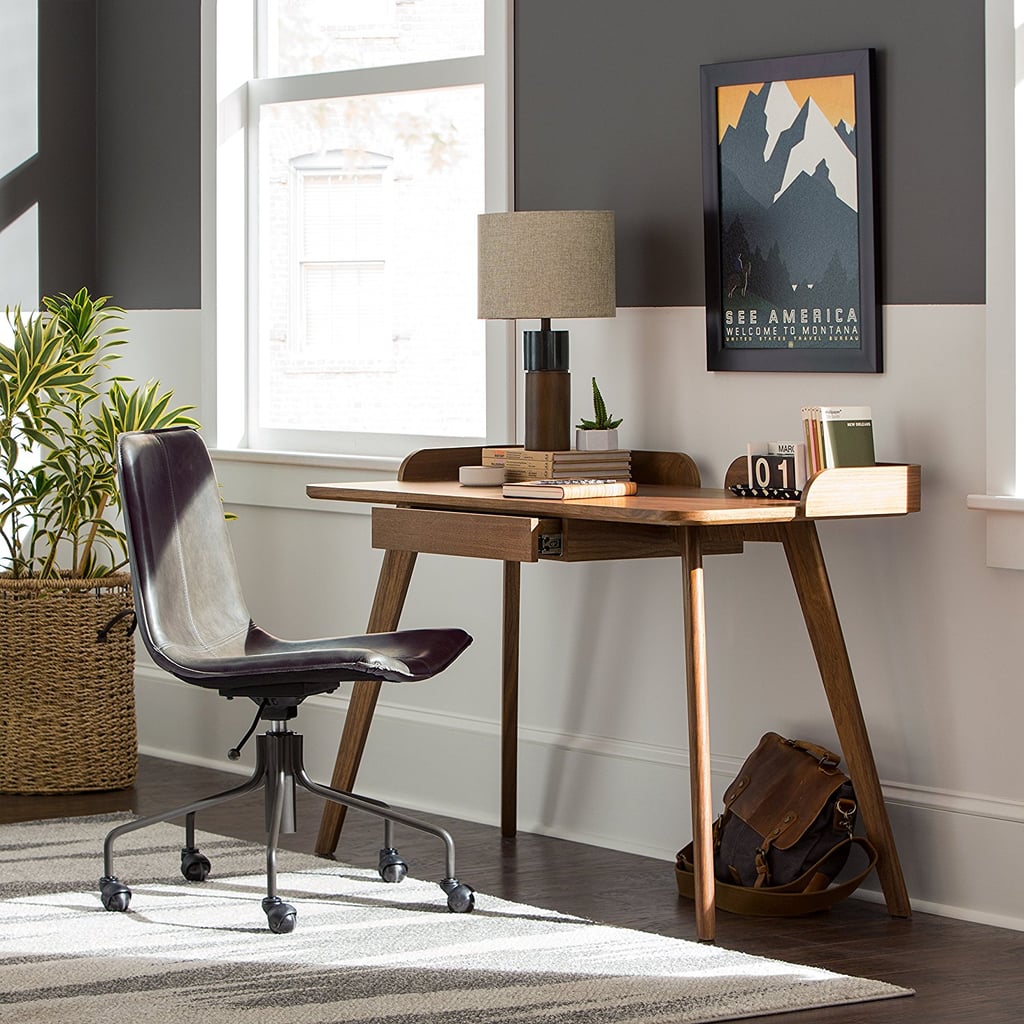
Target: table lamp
542 264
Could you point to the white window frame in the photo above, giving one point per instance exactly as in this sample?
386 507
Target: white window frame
1004 360
230 95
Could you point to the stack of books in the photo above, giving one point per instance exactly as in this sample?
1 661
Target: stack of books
838 435
520 464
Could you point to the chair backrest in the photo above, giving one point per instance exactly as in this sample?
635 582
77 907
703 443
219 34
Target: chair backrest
187 594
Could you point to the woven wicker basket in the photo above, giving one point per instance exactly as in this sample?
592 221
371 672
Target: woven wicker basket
67 698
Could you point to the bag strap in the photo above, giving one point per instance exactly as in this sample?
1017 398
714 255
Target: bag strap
788 900
827 760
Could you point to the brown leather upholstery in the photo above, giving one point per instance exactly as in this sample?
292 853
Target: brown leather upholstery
191 612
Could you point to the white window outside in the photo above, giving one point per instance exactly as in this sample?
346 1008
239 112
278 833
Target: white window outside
338 291
354 152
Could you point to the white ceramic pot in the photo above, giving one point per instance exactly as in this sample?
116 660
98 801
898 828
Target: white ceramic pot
596 440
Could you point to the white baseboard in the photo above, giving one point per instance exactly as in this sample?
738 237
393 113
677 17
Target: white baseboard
957 850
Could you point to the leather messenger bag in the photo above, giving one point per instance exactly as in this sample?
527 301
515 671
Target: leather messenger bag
785 834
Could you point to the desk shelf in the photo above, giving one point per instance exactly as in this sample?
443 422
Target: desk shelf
885 489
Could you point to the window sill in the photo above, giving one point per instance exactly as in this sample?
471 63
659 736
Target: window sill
272 479
995 502
369 463
1004 528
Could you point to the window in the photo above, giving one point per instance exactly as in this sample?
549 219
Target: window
1004 158
353 155
19 146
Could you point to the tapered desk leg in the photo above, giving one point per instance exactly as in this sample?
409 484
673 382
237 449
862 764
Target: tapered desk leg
509 697
807 565
388 601
699 733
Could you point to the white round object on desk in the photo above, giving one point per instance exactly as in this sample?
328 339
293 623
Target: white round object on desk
481 476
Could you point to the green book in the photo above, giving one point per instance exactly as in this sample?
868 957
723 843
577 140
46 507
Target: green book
847 435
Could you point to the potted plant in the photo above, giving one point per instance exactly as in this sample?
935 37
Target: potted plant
67 672
600 433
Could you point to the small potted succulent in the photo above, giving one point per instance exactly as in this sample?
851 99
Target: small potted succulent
599 433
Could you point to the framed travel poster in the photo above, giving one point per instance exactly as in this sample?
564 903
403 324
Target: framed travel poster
789 214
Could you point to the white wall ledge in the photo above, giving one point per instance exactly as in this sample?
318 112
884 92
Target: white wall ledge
369 463
1004 529
995 502
278 479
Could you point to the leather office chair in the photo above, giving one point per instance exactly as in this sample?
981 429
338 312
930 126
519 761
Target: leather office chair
194 622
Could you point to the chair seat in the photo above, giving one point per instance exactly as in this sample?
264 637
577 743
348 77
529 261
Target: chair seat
257 659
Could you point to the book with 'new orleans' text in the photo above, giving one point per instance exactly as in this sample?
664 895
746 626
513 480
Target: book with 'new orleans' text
847 436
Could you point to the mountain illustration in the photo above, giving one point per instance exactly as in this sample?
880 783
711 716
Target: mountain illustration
811 226
848 135
788 186
820 144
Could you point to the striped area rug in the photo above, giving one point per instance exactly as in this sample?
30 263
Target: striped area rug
362 951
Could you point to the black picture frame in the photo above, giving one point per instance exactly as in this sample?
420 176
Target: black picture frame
790 206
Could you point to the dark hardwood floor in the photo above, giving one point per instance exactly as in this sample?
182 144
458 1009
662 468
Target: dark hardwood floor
962 972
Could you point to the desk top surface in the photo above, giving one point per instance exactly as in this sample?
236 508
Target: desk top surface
660 504
669 493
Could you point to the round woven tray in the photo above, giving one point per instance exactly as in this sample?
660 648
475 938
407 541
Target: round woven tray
67 698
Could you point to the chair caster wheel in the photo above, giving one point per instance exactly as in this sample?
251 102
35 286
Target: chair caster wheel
460 896
280 915
114 895
391 866
194 866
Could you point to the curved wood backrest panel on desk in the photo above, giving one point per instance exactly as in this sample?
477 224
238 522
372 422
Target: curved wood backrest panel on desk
885 489
437 463
647 467
672 468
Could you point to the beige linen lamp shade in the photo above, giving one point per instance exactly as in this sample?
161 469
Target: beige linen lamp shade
544 264
547 263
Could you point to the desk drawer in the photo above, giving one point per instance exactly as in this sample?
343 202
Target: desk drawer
476 535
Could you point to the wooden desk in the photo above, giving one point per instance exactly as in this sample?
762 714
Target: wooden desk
670 516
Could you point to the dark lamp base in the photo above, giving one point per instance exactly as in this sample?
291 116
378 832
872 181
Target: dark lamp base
547 410
545 350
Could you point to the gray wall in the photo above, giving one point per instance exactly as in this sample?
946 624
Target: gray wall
608 117
116 176
67 133
61 177
148 253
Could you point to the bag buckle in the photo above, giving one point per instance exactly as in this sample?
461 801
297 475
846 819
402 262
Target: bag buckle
846 810
828 763
764 875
